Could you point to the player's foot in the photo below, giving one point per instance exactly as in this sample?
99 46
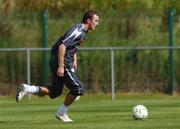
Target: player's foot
64 117
22 92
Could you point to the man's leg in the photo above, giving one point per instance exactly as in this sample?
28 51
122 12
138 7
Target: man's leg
27 89
69 99
67 102
62 111
76 89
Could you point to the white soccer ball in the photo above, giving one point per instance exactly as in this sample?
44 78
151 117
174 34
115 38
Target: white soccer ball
139 112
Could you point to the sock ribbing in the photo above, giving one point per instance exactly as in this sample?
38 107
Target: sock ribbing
33 89
63 109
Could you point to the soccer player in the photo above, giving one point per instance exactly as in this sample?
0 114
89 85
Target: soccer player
63 64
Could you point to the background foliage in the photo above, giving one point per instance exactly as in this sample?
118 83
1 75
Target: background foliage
122 23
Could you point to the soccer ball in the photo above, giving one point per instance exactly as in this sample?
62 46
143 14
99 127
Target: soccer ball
139 112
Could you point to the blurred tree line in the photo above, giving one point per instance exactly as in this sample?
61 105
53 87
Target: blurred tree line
122 23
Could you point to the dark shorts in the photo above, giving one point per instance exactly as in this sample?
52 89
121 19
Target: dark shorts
70 80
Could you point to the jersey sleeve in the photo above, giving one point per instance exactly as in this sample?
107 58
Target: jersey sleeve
69 36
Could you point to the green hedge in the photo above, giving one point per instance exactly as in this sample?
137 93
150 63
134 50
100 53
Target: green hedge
122 23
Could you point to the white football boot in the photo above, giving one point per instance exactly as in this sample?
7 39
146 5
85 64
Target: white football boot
22 92
64 117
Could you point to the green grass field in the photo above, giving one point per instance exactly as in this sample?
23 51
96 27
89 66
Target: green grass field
91 112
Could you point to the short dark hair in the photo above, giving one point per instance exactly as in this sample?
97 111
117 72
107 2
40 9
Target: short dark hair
89 14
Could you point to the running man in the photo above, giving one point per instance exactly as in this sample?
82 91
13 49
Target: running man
63 63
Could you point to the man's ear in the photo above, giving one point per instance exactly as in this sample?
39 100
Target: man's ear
88 20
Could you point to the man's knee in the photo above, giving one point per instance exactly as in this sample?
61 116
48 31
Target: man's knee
77 92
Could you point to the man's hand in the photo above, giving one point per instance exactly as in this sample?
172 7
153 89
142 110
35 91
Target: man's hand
75 65
74 62
60 71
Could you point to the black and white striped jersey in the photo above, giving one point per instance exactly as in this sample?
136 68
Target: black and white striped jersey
71 39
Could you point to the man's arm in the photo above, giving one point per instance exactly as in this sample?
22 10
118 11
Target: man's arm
75 62
61 53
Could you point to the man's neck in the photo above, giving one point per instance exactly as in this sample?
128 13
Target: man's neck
86 27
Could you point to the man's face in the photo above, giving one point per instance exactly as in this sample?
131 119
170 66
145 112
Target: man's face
94 22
